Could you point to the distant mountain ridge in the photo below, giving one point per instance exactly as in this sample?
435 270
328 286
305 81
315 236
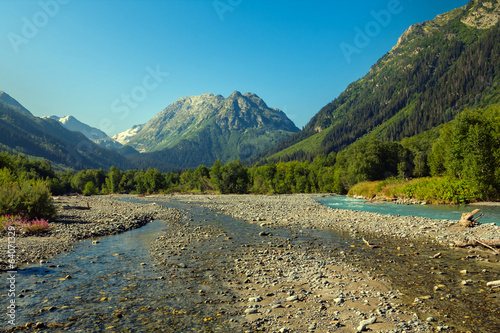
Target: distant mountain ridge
73 124
198 130
192 131
21 132
436 69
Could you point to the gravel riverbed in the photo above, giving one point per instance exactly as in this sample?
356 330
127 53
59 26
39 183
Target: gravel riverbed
277 284
301 210
283 287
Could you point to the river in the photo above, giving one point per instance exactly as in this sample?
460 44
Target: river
440 212
114 284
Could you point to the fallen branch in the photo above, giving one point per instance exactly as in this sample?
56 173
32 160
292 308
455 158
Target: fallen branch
371 246
486 245
491 244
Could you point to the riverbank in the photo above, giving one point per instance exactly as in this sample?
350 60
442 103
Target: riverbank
80 218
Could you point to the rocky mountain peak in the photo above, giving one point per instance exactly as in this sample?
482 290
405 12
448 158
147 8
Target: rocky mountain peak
228 128
235 94
482 14
73 124
479 14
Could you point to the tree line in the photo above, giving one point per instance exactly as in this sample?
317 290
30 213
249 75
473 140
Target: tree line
466 149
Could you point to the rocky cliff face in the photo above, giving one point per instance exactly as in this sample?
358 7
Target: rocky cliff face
125 136
482 14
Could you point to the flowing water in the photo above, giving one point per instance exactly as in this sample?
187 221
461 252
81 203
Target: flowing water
442 212
109 285
116 286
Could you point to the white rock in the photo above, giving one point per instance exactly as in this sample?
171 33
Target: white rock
251 311
364 323
493 284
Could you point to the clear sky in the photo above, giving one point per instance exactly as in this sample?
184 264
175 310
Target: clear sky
116 63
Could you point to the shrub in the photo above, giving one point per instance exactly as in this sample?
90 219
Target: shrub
7 220
438 190
89 189
35 226
30 199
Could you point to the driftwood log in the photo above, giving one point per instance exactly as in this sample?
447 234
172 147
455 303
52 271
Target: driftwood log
491 244
468 219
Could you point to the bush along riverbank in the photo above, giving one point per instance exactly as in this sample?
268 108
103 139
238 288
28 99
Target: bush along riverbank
431 190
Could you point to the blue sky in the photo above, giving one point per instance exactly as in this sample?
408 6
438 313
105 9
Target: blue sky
116 63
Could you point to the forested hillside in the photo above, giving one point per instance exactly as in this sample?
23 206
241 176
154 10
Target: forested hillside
438 68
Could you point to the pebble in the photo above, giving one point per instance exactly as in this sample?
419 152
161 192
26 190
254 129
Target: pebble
493 284
251 311
255 299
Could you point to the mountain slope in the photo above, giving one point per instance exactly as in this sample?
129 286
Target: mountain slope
201 129
436 69
7 99
21 132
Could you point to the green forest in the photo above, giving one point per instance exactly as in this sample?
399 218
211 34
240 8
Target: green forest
457 162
